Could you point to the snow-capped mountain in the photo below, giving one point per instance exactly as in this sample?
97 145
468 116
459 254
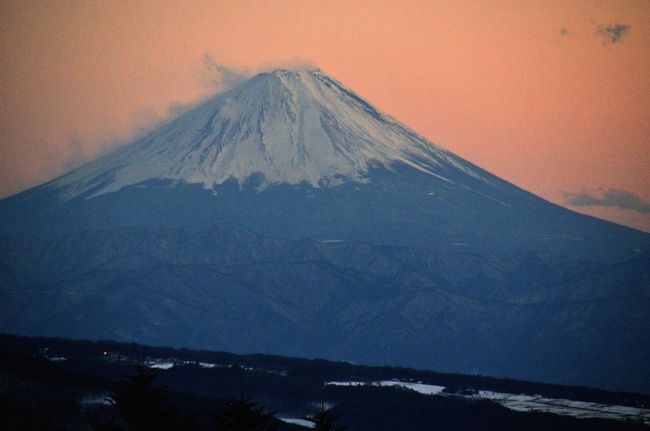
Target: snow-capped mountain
289 216
296 154
290 127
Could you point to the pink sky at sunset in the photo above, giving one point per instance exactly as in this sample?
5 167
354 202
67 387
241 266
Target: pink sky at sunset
529 90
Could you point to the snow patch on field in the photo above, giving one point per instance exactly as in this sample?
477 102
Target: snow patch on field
579 409
161 365
296 421
421 388
523 403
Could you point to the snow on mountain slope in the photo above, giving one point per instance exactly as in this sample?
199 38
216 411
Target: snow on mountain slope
290 126
295 154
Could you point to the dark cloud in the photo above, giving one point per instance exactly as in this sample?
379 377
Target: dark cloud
223 77
612 198
613 32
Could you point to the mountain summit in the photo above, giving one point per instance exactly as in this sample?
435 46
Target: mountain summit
289 127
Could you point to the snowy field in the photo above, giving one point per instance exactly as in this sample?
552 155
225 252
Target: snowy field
579 409
166 364
417 387
517 402
295 421
525 403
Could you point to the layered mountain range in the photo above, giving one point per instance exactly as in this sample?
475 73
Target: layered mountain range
290 216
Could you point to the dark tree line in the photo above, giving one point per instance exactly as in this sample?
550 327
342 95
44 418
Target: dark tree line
323 420
143 406
242 414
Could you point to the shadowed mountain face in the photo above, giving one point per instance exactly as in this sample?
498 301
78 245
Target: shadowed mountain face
388 249
520 315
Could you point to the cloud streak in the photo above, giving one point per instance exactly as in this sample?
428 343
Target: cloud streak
221 76
611 198
78 150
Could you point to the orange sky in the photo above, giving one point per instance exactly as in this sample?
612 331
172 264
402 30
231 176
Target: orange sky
497 82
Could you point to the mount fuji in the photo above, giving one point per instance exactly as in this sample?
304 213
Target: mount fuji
290 216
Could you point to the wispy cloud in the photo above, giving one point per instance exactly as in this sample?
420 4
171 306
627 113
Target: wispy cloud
76 153
613 32
217 77
223 77
295 63
613 198
78 150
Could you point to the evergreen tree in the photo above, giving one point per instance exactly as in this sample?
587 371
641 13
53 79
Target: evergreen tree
142 406
323 420
242 414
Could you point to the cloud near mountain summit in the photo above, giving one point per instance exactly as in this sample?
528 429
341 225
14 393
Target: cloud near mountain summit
613 198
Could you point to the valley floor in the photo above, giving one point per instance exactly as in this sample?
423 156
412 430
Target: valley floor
65 384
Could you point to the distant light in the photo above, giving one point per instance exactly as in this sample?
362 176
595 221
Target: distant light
105 353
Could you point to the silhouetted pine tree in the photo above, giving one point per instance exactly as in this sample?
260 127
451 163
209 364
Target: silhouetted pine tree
242 414
142 406
323 420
